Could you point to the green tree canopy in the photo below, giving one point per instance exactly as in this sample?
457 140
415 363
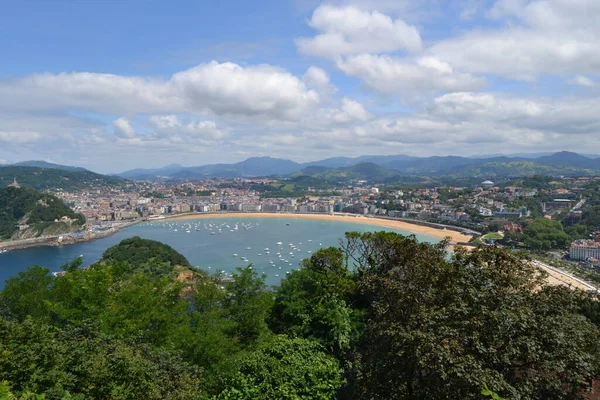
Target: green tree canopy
545 234
284 369
149 255
441 327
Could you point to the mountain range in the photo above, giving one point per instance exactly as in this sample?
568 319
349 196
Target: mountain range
372 168
561 163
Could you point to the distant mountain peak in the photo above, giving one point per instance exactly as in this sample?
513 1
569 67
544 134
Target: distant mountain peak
46 164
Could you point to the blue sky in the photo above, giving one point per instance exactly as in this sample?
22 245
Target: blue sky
112 85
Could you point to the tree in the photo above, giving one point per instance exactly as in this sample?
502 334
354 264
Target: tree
150 255
42 359
545 234
441 326
316 302
286 368
27 294
248 304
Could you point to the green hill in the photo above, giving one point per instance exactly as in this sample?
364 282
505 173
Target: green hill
147 255
53 178
520 168
22 206
361 172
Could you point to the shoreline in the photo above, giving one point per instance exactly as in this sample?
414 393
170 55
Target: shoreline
64 239
456 238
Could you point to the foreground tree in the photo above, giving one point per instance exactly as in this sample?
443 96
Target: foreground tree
292 369
441 326
316 302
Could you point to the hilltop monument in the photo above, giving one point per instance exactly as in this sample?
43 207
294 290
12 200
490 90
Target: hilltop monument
15 184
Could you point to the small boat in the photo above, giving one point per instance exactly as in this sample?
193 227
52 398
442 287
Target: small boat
278 243
235 254
248 248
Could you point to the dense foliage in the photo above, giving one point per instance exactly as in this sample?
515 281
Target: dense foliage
22 205
53 178
382 317
149 255
545 234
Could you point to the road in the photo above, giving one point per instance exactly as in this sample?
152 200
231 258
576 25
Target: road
558 277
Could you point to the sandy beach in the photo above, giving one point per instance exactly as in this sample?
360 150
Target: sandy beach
455 237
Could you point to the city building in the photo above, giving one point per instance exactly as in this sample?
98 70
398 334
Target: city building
584 249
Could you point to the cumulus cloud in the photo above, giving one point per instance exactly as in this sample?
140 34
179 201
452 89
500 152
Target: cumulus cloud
19 137
123 128
171 125
219 88
348 111
318 79
350 30
582 81
391 75
543 37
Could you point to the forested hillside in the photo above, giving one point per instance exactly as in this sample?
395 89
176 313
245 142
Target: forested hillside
53 178
37 210
381 317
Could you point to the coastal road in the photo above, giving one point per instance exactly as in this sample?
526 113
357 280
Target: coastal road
558 277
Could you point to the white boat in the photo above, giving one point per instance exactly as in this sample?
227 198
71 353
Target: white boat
248 248
266 249
278 243
235 254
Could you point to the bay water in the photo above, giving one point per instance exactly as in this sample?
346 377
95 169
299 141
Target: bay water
218 244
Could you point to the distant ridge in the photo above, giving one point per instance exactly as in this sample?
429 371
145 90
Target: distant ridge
45 164
56 178
560 163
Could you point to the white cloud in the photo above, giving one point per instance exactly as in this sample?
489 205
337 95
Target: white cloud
391 75
224 89
123 128
350 30
319 79
582 81
171 125
348 111
19 137
543 37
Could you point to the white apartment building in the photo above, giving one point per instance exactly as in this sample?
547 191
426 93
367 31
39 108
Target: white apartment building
584 249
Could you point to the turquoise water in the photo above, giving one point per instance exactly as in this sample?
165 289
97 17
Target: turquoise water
209 244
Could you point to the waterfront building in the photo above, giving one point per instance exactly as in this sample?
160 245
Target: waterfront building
584 249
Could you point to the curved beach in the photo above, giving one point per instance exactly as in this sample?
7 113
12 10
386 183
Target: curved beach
455 237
